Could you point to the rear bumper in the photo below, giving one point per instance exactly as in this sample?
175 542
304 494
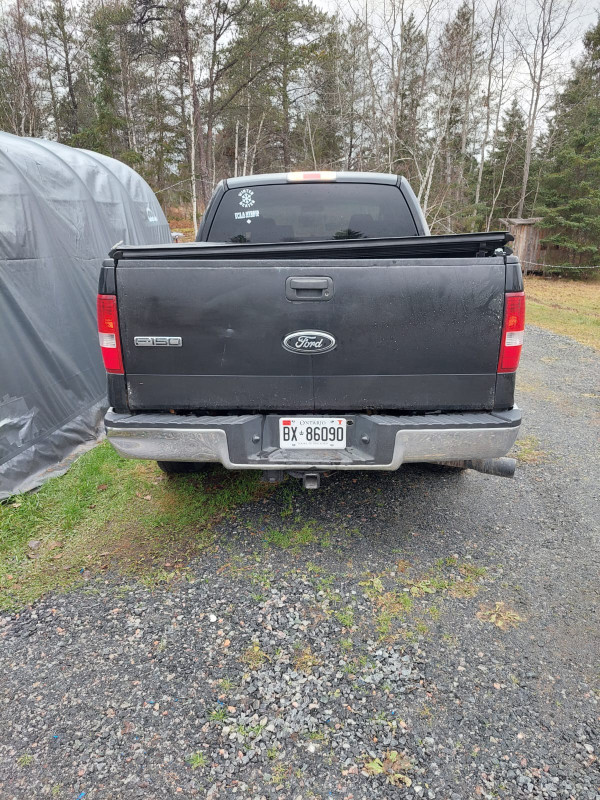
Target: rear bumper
377 442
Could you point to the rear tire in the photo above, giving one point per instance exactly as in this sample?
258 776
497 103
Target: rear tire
181 467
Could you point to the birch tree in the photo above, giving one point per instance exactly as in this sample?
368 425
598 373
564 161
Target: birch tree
541 43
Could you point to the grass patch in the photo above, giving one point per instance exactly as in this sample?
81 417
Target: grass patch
471 571
527 450
288 491
568 307
464 590
317 736
295 538
447 578
373 587
305 660
257 576
111 513
197 760
249 732
280 773
345 616
254 657
390 606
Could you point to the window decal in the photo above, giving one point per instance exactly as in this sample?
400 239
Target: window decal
247 214
246 198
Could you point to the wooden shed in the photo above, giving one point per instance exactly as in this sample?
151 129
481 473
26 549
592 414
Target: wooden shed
527 240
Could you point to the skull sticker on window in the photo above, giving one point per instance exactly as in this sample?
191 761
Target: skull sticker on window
246 199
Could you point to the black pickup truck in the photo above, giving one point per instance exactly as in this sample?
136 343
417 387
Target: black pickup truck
315 325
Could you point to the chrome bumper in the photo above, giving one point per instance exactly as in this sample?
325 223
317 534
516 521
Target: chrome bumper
375 442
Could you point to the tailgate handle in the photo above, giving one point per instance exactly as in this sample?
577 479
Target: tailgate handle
309 288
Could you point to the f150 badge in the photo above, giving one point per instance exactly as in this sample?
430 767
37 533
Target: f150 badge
157 341
309 342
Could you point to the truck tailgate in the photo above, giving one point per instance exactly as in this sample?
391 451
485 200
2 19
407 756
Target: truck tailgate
419 335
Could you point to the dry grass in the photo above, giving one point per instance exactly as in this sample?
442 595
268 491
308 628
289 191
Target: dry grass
527 450
180 221
500 615
254 657
305 660
565 306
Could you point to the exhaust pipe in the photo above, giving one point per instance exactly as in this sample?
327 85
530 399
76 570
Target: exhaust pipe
503 467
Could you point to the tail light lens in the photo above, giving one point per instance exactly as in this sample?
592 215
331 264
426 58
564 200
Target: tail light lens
293 177
512 332
108 333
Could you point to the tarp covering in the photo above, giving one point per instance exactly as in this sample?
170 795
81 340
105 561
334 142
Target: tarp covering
61 210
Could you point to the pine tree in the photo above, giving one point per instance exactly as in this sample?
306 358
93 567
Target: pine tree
324 124
105 133
294 42
570 189
503 169
409 126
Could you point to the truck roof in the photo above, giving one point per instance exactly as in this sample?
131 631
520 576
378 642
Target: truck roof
340 177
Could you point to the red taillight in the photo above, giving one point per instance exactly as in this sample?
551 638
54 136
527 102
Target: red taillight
512 331
108 333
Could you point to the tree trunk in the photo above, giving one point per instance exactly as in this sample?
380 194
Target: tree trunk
44 35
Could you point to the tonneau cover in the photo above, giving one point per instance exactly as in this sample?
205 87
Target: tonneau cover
464 245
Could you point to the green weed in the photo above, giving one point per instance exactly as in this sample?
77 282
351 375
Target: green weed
392 766
197 760
345 616
254 657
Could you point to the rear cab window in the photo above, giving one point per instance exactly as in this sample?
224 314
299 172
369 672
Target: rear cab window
305 212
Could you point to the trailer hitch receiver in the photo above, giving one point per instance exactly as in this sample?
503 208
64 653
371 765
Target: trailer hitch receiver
311 480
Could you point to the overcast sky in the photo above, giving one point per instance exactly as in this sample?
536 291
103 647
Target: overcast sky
584 14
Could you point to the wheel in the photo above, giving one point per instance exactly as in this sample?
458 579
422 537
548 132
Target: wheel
181 467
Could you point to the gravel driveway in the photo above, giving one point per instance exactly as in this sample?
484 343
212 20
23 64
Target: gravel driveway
428 634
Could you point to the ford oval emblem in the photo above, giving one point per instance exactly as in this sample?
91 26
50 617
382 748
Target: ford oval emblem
309 342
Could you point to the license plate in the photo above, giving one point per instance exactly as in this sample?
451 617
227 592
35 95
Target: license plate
312 433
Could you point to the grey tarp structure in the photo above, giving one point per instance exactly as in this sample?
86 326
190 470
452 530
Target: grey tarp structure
61 210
